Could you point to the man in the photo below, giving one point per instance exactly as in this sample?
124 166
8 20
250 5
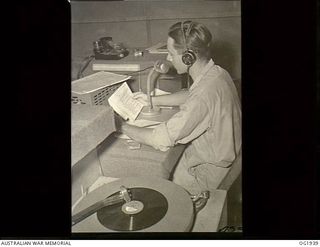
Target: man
209 120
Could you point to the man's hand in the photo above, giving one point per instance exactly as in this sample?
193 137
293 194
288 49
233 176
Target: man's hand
141 97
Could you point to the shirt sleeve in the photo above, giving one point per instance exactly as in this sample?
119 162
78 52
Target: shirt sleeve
190 122
227 137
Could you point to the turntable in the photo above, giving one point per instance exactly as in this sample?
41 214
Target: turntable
137 204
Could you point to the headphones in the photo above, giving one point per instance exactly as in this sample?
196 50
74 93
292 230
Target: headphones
188 56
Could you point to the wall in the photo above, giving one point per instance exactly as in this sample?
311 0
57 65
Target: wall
145 23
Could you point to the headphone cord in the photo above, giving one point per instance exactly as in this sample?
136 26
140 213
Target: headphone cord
139 70
188 77
82 68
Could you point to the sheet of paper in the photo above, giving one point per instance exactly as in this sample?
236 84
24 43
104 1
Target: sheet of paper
123 136
158 92
124 104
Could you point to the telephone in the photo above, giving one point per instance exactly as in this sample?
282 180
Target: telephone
106 49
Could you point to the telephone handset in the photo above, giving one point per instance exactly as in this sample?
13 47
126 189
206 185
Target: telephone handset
106 49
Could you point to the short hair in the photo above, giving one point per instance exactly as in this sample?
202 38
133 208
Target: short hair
198 39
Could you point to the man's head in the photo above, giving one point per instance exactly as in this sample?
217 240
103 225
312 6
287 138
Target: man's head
188 42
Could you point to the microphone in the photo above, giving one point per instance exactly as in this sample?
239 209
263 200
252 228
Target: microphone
160 67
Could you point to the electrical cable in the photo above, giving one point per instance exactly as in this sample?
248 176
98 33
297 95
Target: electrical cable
82 68
188 77
140 70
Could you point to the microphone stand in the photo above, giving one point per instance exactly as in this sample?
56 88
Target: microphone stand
160 67
151 110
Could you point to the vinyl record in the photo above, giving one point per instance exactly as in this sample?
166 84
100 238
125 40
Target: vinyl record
178 209
146 208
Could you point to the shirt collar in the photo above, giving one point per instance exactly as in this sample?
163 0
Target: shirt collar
202 73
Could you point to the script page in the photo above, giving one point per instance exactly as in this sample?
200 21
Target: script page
124 104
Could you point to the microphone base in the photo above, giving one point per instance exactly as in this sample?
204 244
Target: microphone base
147 111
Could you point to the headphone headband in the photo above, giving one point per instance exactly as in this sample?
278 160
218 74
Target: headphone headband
184 36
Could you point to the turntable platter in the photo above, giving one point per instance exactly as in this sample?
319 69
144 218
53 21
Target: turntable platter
162 207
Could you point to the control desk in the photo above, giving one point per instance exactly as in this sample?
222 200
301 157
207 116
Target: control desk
100 156
96 151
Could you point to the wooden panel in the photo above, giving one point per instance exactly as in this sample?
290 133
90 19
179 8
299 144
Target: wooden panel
131 34
102 11
191 9
144 23
226 48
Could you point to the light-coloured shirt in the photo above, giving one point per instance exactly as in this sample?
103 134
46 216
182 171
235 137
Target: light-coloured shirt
210 120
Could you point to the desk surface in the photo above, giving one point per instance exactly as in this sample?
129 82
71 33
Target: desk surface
117 160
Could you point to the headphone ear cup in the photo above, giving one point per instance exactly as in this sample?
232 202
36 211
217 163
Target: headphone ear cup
188 58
